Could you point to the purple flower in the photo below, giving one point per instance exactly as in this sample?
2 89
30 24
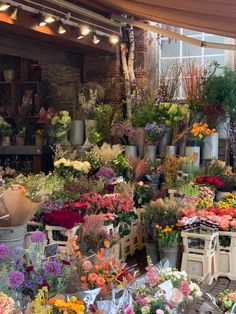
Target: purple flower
37 236
105 172
4 251
154 131
52 268
15 279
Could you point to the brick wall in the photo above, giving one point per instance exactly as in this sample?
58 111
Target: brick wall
60 80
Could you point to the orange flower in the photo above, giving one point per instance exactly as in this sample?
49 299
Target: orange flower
92 277
106 244
84 286
51 301
100 281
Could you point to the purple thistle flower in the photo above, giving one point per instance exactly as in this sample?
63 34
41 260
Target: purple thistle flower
52 268
37 236
105 172
4 251
15 279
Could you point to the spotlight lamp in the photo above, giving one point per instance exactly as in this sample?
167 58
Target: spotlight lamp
113 39
49 19
14 13
85 30
41 20
4 6
96 40
79 34
61 28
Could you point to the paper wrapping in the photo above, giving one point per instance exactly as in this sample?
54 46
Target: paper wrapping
19 208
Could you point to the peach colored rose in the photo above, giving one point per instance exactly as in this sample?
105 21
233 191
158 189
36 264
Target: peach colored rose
87 266
233 224
100 281
232 296
106 244
224 224
83 279
176 296
92 277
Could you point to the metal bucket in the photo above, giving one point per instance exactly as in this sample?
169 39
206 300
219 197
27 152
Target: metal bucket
13 236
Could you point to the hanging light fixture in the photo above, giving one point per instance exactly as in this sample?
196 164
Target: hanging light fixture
96 40
79 34
14 13
49 19
41 22
85 30
113 39
4 6
61 28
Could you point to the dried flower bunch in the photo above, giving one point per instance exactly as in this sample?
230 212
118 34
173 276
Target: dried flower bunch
123 130
170 169
108 152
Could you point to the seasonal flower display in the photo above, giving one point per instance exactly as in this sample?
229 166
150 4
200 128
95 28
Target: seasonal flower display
164 291
69 167
73 305
209 180
126 132
154 132
201 130
168 236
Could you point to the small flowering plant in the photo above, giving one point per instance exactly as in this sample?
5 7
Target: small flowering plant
67 167
61 123
126 132
5 128
200 130
168 236
154 132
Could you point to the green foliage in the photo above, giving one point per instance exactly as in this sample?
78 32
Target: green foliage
144 113
94 160
103 115
94 136
119 164
189 190
221 89
142 195
171 113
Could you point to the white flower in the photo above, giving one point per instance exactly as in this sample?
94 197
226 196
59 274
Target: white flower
145 309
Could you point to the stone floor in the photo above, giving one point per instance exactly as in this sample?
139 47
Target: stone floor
138 262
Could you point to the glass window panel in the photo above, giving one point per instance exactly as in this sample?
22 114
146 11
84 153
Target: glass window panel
171 49
209 59
190 32
191 50
165 64
214 38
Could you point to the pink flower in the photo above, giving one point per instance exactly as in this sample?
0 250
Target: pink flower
176 296
224 224
184 288
129 310
159 311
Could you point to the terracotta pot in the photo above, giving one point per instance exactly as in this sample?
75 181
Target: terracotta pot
20 140
6 140
38 140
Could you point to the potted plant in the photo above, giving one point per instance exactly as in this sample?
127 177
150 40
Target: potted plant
172 115
5 132
20 138
90 95
76 134
143 113
153 133
61 124
161 218
40 137
129 136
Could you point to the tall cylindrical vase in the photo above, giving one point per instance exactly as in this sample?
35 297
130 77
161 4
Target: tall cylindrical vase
150 152
140 142
165 140
76 135
194 153
170 151
131 151
89 125
210 147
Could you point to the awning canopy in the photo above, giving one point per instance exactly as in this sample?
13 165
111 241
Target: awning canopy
209 16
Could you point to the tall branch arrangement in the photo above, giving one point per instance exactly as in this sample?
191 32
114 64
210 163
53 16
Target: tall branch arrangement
127 60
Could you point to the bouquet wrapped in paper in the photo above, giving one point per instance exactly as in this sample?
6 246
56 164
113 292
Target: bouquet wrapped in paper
15 208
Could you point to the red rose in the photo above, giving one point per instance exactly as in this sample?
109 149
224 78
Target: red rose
210 181
199 180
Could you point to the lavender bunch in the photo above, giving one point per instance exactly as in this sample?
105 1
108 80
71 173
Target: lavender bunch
154 131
